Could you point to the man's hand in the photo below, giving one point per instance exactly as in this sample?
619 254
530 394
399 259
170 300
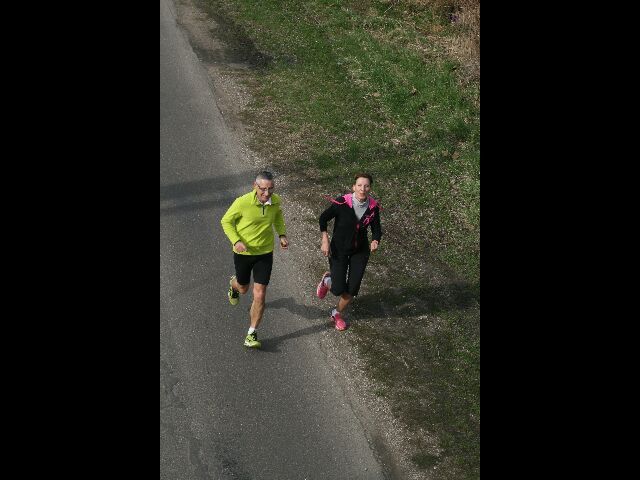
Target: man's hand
284 243
240 247
374 245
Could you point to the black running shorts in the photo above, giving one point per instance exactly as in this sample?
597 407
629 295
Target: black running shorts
347 272
260 264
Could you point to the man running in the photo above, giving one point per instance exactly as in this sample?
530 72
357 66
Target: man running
249 226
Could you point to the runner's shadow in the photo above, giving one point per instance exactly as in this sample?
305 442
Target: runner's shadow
305 311
272 344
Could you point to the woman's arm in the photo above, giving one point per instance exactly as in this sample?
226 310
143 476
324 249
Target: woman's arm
325 217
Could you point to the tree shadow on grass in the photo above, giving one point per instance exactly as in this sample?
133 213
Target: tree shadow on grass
415 301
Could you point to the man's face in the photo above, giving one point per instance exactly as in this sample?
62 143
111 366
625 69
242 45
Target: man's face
264 189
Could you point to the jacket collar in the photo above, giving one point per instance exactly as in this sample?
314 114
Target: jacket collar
272 200
349 199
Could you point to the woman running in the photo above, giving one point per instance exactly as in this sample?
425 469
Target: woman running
349 249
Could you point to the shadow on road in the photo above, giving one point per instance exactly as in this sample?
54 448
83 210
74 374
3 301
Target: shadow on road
272 344
305 311
204 194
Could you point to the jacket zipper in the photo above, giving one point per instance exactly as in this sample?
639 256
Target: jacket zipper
355 240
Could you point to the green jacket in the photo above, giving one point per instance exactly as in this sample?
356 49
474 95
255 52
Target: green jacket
248 221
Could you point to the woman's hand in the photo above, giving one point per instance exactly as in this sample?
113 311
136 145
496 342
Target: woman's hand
284 243
374 245
324 247
239 246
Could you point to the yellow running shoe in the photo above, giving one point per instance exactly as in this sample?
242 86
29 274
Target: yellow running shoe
233 294
251 340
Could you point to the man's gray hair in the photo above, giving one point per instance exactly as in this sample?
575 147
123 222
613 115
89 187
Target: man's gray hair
264 175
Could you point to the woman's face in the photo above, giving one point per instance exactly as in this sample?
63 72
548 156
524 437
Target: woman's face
361 188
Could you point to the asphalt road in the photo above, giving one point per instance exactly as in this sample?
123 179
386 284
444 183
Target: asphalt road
227 412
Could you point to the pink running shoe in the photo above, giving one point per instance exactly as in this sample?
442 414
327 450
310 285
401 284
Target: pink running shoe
340 323
322 289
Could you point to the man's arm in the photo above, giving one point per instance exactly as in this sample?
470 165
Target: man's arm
279 225
229 220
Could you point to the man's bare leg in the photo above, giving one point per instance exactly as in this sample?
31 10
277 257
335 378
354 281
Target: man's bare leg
257 307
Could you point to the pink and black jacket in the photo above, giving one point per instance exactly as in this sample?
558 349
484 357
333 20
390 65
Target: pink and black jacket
349 233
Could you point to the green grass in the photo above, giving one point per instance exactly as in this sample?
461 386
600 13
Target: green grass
341 86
